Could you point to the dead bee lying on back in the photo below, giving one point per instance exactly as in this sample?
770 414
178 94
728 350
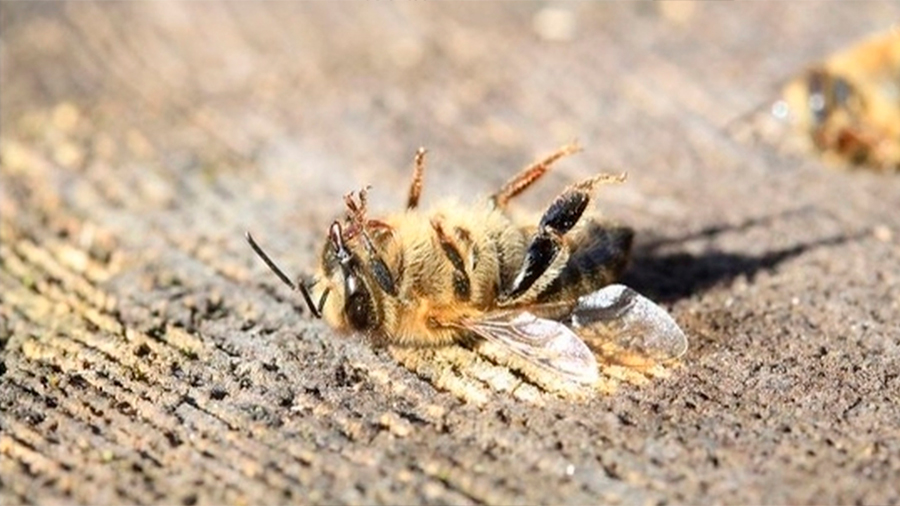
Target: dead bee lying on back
464 272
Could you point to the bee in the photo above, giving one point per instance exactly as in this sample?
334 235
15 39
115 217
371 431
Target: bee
848 107
464 273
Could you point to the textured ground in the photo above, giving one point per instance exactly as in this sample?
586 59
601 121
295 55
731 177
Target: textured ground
149 357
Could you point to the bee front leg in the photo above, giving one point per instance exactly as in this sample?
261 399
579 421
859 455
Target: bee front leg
546 256
379 268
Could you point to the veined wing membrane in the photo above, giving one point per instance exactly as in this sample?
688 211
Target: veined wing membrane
629 322
546 343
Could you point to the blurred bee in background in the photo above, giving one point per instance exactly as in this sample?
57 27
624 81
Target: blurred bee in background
849 106
464 273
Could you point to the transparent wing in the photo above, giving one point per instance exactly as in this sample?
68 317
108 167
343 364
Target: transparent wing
546 343
617 319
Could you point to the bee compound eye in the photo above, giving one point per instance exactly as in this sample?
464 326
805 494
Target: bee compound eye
818 83
842 91
359 311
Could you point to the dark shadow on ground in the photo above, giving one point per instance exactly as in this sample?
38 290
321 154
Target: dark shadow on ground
668 277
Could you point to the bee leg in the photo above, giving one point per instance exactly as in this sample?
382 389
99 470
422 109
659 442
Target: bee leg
358 226
379 268
356 208
545 256
379 226
415 187
544 251
527 176
598 256
462 287
357 220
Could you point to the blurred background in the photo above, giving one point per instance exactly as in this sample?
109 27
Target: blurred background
327 98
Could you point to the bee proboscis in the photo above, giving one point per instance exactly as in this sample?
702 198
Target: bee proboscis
458 274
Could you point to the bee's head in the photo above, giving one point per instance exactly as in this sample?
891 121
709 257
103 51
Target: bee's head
819 98
341 264
828 93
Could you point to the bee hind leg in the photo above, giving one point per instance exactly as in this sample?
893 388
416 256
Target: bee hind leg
545 256
598 257
527 176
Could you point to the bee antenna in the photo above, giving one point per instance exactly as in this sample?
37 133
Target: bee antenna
316 310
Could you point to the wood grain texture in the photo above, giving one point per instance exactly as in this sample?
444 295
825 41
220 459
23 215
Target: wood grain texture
149 357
